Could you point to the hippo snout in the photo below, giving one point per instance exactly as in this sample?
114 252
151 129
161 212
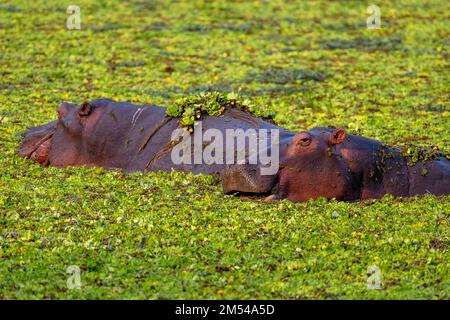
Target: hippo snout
36 143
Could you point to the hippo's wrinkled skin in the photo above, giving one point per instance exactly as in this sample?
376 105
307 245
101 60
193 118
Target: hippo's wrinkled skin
327 162
113 134
323 162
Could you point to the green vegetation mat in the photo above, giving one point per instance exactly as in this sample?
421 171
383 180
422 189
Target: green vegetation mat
176 235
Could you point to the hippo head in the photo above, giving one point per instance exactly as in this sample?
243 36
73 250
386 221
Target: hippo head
58 143
312 166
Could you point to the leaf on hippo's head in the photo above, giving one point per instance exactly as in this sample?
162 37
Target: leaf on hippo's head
176 109
213 104
414 153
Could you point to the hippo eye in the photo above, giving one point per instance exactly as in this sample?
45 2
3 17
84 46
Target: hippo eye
305 141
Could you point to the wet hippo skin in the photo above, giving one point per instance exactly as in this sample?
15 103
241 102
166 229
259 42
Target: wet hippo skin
322 162
331 163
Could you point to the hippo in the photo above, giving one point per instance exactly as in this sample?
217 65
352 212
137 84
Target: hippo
328 162
323 162
110 134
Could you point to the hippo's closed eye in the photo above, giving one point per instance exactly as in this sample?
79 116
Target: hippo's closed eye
303 139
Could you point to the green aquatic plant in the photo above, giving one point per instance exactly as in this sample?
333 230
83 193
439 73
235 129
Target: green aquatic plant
191 108
176 235
414 153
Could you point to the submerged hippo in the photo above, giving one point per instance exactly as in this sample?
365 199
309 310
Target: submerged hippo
323 162
331 163
113 134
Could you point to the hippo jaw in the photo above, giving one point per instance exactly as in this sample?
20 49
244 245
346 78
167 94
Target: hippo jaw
40 154
36 143
246 178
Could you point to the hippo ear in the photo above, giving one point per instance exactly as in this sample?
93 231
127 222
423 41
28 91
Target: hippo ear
337 136
85 109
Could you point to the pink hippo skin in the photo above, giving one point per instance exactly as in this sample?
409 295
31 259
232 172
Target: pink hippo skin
323 162
110 134
327 162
